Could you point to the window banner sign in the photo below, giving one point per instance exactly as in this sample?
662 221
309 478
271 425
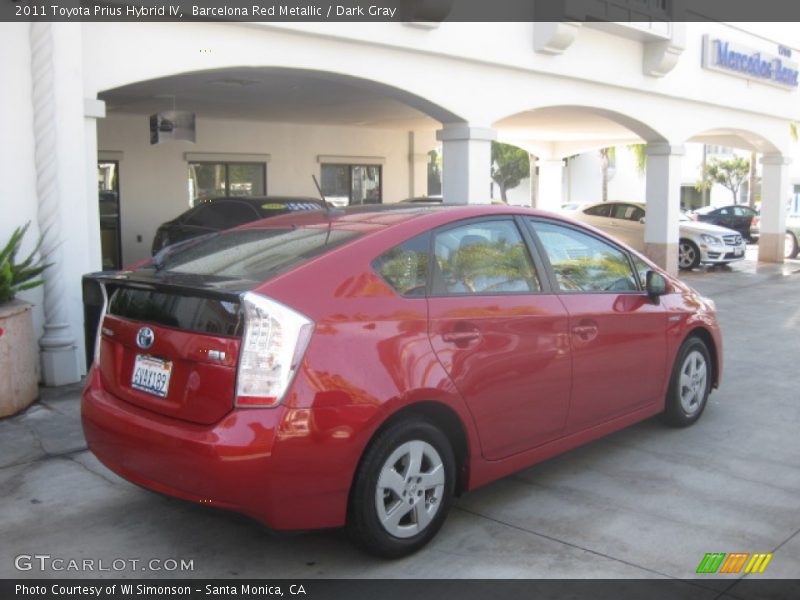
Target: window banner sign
740 61
172 125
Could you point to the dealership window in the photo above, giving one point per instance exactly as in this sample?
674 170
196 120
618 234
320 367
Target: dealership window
345 184
213 179
110 238
794 206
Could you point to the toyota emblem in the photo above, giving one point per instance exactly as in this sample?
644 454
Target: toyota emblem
145 338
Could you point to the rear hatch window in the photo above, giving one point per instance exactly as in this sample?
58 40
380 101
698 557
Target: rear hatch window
170 339
256 255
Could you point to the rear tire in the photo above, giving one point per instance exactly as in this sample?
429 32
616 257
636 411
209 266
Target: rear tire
688 255
690 384
402 490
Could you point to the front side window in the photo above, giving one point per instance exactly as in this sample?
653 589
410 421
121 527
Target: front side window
642 268
213 179
486 257
583 263
343 185
627 212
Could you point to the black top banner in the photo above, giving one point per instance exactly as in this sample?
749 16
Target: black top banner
423 11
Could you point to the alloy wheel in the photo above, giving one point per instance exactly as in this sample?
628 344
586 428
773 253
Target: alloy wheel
693 382
687 256
410 489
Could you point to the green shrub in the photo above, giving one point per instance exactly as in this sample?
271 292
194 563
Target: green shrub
16 277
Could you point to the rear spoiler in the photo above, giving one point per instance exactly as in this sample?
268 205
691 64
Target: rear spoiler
98 287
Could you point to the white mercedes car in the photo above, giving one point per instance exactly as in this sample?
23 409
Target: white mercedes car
700 243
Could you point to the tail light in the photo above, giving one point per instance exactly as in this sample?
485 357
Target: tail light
274 342
693 216
754 222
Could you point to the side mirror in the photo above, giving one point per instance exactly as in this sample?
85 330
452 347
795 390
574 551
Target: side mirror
641 220
656 285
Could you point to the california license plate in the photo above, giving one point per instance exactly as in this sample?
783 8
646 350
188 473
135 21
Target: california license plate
151 375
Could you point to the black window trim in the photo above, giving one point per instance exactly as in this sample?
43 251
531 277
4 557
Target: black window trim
551 274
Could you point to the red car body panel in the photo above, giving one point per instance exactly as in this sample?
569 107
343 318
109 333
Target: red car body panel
514 374
523 389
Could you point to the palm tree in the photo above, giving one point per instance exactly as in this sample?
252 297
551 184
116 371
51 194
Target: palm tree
607 155
640 153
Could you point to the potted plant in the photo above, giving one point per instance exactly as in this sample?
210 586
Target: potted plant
19 375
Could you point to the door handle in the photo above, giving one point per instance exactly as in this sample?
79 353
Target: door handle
461 337
585 332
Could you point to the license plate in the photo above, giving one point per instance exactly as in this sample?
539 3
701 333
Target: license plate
738 251
151 375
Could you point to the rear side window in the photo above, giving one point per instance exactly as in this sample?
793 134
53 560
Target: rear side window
583 263
601 210
254 254
484 257
405 267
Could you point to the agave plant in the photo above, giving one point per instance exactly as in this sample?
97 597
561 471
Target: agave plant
18 276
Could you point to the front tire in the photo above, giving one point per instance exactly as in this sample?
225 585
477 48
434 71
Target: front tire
403 489
690 384
790 246
688 255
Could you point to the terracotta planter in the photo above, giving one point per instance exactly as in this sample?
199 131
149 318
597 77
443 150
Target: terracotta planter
19 375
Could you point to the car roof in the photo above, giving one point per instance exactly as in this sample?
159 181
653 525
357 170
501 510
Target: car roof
641 205
374 217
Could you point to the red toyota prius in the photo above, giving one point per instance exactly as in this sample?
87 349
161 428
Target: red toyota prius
360 367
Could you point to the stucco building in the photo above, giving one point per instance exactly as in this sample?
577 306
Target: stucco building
359 107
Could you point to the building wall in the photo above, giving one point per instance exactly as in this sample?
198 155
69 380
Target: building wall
153 179
18 203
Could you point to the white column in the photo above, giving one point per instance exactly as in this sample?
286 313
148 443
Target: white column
466 163
417 168
93 109
551 184
774 198
663 192
59 350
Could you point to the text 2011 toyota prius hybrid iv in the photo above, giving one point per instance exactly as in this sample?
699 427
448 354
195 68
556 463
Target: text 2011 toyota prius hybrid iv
360 367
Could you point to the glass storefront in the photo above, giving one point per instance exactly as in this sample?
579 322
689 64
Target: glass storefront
343 185
108 190
214 179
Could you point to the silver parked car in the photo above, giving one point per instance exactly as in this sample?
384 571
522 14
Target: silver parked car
700 243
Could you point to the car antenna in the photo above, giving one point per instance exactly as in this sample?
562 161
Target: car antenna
321 195
327 208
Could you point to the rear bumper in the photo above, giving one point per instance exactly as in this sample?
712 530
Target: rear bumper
237 464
